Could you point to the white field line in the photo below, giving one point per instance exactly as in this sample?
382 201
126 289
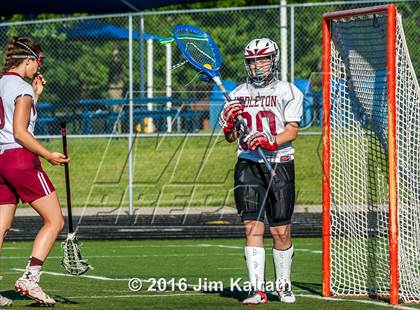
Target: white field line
134 256
157 255
201 245
135 296
81 276
206 245
182 246
147 255
307 250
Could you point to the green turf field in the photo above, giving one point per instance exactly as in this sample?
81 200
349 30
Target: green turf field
115 262
195 171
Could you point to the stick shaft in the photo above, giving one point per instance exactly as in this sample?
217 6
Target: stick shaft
67 177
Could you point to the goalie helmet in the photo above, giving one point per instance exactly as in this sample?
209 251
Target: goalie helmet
259 49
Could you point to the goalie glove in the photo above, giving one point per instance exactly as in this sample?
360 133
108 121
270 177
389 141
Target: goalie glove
230 113
260 139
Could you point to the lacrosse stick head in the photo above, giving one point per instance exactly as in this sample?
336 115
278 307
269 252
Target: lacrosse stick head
72 259
198 48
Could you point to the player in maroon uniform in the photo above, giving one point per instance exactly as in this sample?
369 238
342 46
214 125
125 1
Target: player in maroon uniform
272 110
21 175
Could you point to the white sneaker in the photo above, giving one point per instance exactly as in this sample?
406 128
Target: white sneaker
257 298
5 302
27 285
286 295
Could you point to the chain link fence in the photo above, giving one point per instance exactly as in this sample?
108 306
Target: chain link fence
143 126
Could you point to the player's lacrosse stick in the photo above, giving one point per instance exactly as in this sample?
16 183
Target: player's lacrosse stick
203 54
72 259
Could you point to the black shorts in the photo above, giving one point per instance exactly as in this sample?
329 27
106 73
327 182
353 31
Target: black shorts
254 199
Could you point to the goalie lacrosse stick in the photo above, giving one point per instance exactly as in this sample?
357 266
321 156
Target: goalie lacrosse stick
72 259
203 54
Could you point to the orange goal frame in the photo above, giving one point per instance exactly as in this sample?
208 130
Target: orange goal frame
326 150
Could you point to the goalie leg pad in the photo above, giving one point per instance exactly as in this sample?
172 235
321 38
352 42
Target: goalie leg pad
282 199
250 190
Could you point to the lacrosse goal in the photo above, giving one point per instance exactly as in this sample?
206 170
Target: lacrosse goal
371 157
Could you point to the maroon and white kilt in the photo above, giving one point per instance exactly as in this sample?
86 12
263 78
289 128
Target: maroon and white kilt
22 177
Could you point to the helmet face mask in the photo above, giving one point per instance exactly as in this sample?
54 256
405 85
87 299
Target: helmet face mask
261 58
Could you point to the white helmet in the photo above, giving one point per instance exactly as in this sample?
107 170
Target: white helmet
259 48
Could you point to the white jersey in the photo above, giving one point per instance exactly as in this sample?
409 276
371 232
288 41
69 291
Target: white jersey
13 86
269 109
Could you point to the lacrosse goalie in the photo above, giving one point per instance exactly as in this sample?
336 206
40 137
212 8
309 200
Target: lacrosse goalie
272 110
